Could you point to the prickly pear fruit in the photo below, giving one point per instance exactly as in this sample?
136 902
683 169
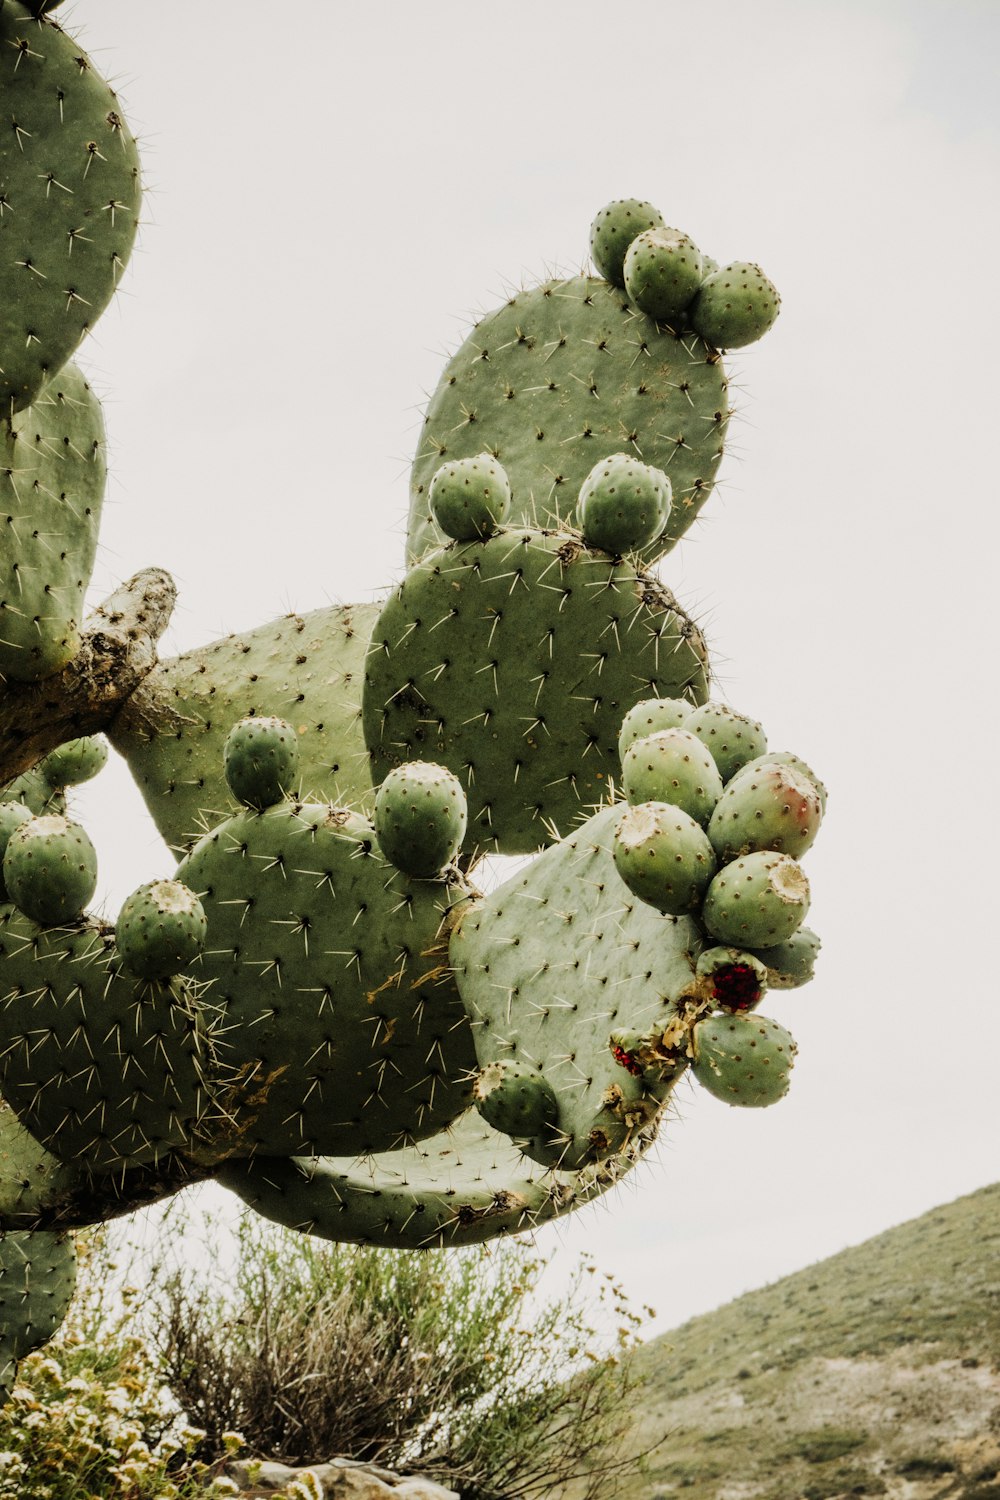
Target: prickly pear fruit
614 228
261 759
662 272
791 963
649 717
743 1060
770 807
735 306
75 762
470 497
12 815
420 818
786 758
672 766
756 901
663 856
160 929
734 739
50 870
623 504
736 979
516 1100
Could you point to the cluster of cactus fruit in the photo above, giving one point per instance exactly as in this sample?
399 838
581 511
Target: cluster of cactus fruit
319 1009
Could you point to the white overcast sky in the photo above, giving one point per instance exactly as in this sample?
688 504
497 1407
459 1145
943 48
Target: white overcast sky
335 189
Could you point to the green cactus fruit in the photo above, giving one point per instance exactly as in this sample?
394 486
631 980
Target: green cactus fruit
786 758
344 1029
75 762
649 717
461 1187
307 669
554 961
420 818
735 306
743 1060
663 271
672 766
563 375
614 228
470 497
261 760
734 739
100 1067
161 929
37 1281
756 901
735 979
518 1101
791 963
71 194
52 473
623 504
12 816
663 856
564 642
50 869
765 807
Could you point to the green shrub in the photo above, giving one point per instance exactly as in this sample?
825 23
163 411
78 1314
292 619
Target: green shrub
448 1363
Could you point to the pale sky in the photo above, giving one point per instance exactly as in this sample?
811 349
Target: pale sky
335 190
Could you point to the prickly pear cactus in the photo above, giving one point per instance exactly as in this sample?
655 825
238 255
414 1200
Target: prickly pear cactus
318 1007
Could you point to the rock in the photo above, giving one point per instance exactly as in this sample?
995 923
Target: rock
340 1479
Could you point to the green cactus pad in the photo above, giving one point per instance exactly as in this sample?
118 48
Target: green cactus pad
470 497
512 662
733 738
99 1067
420 818
663 271
623 504
562 376
75 762
791 963
743 1060
50 869
663 856
161 929
650 717
735 306
462 1187
672 766
306 669
766 807
756 901
37 1280
260 760
51 491
70 198
614 228
551 964
342 1022
35 792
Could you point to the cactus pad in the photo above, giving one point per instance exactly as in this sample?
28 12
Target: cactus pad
565 641
37 1280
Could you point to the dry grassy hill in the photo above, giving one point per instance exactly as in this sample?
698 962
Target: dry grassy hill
876 1372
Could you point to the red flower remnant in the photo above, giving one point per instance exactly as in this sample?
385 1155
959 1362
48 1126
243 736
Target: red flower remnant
625 1060
735 987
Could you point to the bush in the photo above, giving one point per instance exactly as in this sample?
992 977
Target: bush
442 1362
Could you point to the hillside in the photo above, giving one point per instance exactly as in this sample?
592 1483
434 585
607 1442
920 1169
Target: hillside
876 1372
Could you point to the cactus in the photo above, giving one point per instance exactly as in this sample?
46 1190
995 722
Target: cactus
317 1007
